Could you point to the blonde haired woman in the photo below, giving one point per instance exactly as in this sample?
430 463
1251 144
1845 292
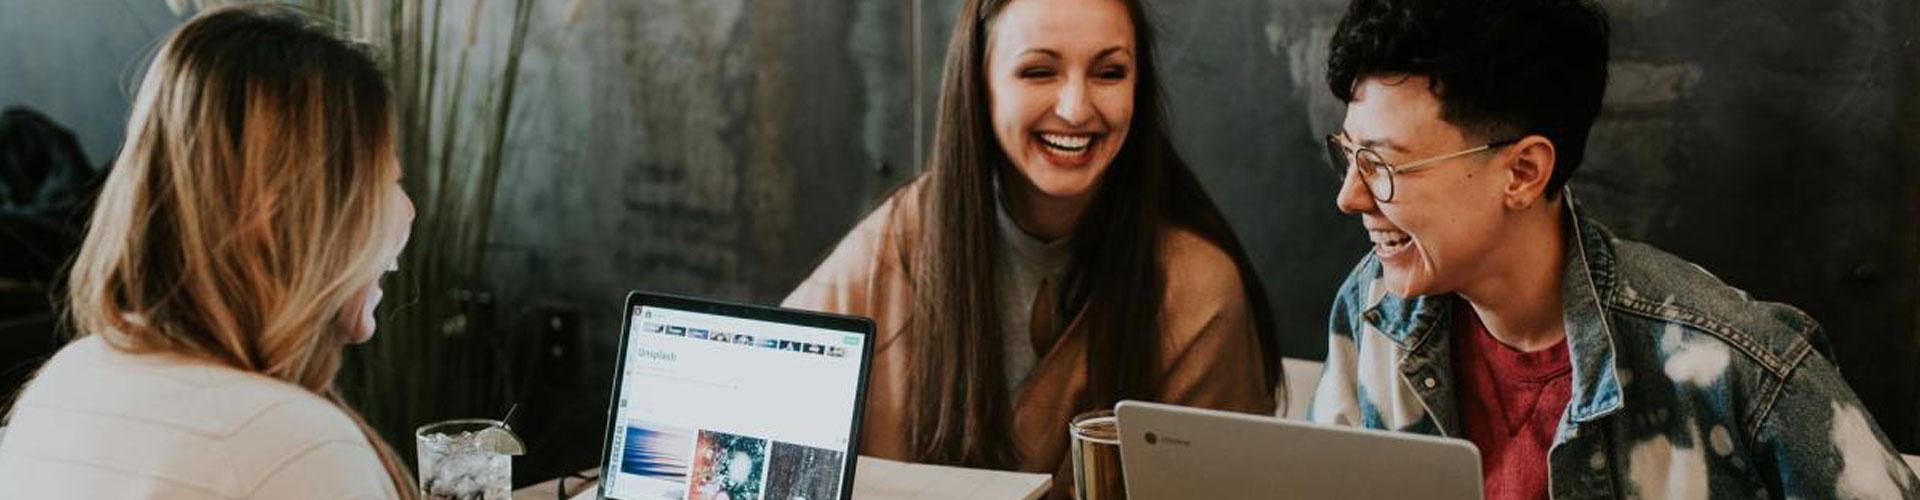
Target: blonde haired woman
236 249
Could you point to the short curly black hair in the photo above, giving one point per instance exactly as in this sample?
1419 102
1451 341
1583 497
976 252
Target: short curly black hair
1501 68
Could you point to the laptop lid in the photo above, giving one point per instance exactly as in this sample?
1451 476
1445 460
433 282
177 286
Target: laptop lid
719 400
1179 452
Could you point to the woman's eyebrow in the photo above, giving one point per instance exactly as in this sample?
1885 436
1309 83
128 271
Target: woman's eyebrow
1042 51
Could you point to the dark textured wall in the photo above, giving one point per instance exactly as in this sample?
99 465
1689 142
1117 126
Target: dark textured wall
706 147
720 147
77 61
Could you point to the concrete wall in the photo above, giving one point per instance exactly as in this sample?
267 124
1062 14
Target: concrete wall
720 147
77 61
705 147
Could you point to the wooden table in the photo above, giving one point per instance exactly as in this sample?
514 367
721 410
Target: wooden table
876 479
550 490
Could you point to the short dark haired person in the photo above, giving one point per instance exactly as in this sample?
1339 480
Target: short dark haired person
1490 308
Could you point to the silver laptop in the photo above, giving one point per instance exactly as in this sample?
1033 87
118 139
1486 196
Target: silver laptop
719 400
1179 452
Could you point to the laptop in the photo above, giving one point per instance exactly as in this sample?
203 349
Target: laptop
1178 452
719 400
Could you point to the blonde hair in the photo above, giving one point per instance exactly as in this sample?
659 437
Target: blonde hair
249 204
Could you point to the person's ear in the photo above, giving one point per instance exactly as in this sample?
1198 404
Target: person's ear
1529 167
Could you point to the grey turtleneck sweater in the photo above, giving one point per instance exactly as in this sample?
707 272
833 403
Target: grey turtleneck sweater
1024 268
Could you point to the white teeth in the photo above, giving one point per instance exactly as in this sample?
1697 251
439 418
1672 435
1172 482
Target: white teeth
393 266
1067 142
1388 238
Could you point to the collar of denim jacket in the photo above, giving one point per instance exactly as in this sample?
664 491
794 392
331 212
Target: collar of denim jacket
1587 281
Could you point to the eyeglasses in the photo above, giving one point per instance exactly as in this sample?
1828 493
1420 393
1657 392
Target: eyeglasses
1376 172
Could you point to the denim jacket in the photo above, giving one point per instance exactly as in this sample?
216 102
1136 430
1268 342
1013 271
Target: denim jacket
1682 386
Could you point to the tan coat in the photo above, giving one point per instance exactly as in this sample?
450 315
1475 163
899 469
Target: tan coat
1211 356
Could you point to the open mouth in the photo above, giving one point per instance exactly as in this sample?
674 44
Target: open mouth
1067 144
1389 242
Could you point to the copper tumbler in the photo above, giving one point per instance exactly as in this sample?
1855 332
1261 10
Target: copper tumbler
1096 456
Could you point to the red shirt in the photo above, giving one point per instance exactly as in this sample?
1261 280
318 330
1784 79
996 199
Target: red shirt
1510 405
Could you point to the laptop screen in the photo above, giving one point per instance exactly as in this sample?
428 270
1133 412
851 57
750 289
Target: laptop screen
717 406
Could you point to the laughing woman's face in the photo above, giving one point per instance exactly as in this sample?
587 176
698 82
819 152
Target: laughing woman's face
357 316
1060 76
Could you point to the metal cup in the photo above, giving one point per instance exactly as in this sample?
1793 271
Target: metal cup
1096 456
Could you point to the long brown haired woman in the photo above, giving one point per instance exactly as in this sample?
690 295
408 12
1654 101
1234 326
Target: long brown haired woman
1056 256
236 249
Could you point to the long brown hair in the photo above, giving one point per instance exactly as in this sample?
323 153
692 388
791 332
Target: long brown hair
960 410
248 205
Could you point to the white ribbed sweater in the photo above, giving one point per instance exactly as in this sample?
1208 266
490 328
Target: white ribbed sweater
100 423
